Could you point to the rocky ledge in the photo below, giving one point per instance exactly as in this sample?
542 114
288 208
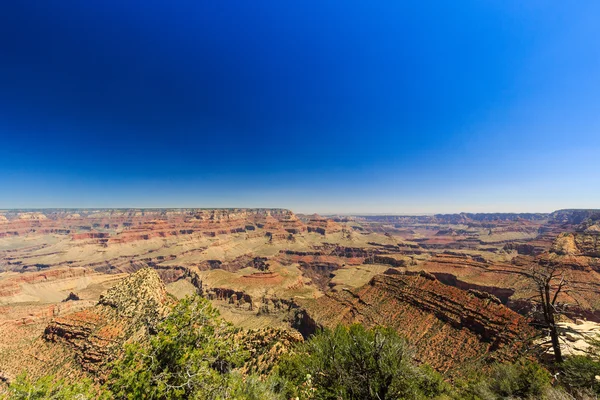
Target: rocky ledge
449 327
126 311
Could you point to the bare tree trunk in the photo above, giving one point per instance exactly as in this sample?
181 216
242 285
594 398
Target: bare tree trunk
550 319
556 345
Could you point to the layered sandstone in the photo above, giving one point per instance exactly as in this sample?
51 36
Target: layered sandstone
322 225
448 326
121 226
124 312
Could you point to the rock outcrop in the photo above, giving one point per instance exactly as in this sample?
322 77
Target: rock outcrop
129 225
573 216
126 311
448 326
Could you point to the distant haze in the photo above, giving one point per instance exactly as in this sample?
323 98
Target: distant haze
328 107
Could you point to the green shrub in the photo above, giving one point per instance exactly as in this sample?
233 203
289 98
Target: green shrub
579 373
358 363
254 388
523 379
49 387
189 357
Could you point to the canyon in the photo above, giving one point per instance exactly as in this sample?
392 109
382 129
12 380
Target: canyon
76 285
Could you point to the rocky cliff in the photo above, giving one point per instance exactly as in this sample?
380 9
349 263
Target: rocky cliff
448 326
126 311
127 225
574 216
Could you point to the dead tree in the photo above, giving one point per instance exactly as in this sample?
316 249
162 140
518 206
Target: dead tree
548 280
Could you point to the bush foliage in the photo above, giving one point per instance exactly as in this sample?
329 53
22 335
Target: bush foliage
190 357
523 379
580 372
358 363
51 388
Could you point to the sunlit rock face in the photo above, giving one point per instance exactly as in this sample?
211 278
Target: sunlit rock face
130 308
448 326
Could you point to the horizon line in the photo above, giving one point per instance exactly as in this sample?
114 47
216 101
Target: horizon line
327 213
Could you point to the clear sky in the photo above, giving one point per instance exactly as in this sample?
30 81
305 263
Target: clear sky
314 105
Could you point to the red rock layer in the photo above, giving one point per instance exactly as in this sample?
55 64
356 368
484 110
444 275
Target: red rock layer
96 335
122 226
448 326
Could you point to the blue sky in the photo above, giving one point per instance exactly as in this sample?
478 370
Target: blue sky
317 106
